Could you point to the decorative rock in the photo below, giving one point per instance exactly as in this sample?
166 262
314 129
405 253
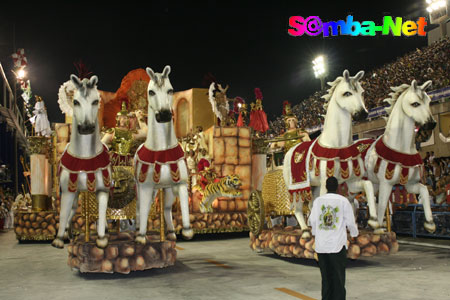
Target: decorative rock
363 240
122 254
369 250
290 244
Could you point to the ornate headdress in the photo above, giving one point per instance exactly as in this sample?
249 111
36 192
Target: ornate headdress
287 113
122 113
259 97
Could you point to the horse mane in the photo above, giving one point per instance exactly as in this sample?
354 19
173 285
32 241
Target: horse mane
159 80
330 91
397 91
333 86
85 87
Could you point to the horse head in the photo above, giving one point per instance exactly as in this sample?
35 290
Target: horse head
85 104
416 105
347 93
160 95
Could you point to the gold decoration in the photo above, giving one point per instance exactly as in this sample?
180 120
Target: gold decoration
137 95
389 174
124 191
127 212
298 158
275 194
39 237
40 145
403 179
40 202
362 147
255 213
330 171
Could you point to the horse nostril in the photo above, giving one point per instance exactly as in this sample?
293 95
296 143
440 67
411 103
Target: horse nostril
361 115
163 116
86 128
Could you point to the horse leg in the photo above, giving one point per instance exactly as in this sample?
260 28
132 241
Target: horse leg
69 223
366 185
383 199
168 202
421 189
67 199
145 198
102 198
182 191
298 202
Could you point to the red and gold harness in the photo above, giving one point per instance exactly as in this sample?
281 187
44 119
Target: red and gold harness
319 153
75 165
147 157
393 158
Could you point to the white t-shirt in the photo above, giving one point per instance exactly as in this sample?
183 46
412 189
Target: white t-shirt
330 217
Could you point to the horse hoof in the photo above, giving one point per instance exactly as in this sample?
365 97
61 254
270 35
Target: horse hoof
171 236
140 239
102 242
58 243
379 230
373 223
306 235
430 226
187 233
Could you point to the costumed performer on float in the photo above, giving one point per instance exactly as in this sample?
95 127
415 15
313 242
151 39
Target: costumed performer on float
258 118
40 119
293 134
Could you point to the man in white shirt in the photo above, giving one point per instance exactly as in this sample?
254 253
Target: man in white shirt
330 217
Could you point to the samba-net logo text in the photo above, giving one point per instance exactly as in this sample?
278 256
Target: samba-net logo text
313 26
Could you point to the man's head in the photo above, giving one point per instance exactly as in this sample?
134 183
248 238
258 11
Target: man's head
332 184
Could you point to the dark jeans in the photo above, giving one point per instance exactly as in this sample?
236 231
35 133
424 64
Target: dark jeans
332 269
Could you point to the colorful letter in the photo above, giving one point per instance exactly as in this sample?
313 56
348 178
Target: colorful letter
389 24
298 23
369 30
334 28
421 24
351 24
409 28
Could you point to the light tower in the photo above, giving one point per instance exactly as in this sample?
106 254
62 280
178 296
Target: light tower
320 71
438 12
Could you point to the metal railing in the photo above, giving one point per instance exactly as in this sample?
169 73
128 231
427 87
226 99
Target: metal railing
10 102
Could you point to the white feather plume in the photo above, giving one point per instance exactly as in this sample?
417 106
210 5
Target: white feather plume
212 100
64 97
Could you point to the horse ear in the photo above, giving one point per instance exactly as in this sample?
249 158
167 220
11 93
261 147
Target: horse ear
414 84
359 75
151 74
93 81
76 81
166 71
426 85
346 75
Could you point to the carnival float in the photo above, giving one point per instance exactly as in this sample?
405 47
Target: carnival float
145 163
365 165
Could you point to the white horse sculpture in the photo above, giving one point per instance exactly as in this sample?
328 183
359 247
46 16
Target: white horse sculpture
159 162
85 163
393 158
308 165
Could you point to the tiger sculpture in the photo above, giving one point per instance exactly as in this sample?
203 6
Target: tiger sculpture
227 186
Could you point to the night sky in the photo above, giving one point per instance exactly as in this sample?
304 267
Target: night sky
243 44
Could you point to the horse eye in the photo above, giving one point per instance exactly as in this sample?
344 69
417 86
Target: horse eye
170 92
151 93
95 102
76 103
415 104
347 94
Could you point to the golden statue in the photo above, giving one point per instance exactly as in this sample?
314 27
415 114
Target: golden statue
293 135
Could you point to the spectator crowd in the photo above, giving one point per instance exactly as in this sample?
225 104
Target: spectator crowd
428 63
